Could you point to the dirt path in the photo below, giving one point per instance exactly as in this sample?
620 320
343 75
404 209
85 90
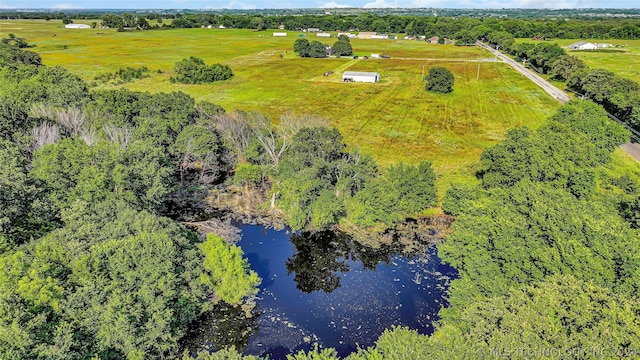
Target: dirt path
632 149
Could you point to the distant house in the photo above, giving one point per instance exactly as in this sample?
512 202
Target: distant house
280 27
366 34
582 45
433 40
279 34
324 35
77 26
357 76
347 34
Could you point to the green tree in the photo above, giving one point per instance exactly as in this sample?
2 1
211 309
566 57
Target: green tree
402 191
566 66
302 47
229 275
342 48
562 235
25 212
440 80
194 71
465 37
316 175
317 49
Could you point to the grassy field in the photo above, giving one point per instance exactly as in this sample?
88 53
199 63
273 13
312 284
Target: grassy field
394 119
623 60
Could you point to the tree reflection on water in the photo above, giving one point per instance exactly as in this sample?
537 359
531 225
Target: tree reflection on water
319 257
222 327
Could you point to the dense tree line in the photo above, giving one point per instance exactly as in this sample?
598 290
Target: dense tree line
315 181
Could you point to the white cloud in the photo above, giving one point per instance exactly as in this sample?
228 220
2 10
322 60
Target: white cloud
333 5
66 6
239 5
428 3
380 4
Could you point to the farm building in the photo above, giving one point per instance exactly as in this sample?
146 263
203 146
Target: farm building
357 76
77 26
325 35
279 34
433 40
366 34
349 35
582 45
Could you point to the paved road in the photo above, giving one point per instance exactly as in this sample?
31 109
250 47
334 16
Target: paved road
630 148
544 84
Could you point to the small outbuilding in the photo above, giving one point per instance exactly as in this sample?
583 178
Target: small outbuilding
433 40
77 26
366 34
358 76
583 45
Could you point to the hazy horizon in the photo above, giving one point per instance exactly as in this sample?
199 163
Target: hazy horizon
318 4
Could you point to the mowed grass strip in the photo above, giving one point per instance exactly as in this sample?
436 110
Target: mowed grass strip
395 119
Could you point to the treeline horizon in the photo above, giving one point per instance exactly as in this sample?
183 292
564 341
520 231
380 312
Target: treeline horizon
564 27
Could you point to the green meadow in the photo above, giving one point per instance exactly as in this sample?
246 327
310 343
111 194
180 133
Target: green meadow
394 119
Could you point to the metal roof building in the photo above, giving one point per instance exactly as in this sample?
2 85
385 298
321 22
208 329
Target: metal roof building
77 26
357 76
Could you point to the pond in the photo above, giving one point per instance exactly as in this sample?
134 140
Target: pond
325 288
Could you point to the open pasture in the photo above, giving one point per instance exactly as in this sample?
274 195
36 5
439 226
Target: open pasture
394 119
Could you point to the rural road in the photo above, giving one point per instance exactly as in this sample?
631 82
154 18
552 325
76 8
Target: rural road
633 149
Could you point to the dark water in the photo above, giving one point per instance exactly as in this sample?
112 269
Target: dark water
327 289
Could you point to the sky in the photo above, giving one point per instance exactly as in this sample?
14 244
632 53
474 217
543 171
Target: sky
280 4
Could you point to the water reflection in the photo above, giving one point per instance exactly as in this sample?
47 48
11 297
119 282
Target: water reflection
221 327
317 259
320 256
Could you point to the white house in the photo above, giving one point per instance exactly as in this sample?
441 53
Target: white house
583 45
357 76
279 34
349 35
324 35
77 26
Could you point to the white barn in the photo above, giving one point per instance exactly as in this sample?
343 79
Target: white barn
358 76
77 26
583 45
